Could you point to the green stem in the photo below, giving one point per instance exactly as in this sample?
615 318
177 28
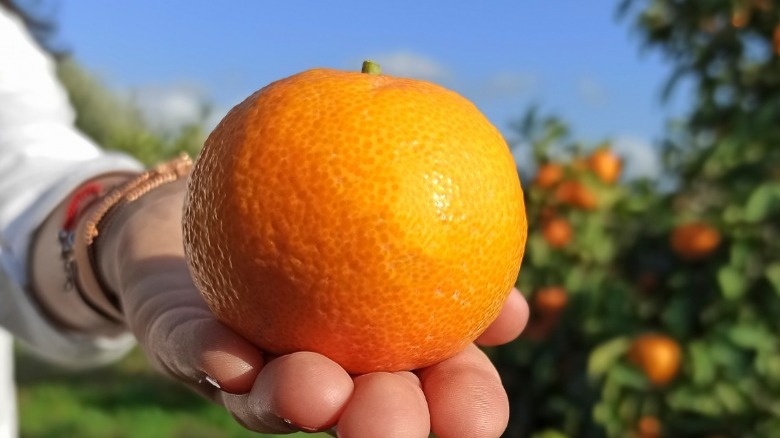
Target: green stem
371 68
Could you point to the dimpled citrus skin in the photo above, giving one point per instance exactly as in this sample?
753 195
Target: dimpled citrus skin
376 220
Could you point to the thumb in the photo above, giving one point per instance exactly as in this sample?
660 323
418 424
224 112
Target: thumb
181 335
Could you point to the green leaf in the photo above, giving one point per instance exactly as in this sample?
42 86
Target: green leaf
724 353
538 250
762 201
739 254
688 399
730 398
677 315
575 278
604 250
772 273
768 365
627 376
603 413
604 356
732 214
550 433
732 282
702 366
752 336
768 426
629 406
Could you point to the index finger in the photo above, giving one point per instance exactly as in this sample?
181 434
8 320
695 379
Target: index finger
509 323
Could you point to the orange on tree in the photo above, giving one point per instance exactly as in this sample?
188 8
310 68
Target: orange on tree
546 307
740 17
548 175
695 240
557 232
648 427
658 356
550 300
376 220
776 40
605 164
575 193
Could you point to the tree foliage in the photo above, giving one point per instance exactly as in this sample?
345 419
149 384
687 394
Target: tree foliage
116 124
708 294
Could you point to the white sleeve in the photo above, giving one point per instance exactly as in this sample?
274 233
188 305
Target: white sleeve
43 157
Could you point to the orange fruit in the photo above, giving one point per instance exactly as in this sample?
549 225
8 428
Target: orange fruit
740 17
776 40
575 193
695 240
550 300
658 356
557 232
548 175
376 220
547 305
649 427
605 164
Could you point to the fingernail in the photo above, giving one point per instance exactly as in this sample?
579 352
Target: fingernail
299 427
212 381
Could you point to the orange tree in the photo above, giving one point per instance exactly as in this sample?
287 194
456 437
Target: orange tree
672 310
585 305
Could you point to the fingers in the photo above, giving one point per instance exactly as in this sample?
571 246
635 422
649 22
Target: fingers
510 322
385 405
192 345
181 335
231 361
300 391
465 396
306 391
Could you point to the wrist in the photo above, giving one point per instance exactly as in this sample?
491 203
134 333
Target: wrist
106 228
136 227
79 295
52 260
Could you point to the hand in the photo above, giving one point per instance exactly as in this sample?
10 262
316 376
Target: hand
143 259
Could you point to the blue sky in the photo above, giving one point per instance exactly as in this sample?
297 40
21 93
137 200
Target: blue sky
571 57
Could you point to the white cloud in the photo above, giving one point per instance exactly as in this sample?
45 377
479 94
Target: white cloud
411 65
592 92
507 85
168 108
640 158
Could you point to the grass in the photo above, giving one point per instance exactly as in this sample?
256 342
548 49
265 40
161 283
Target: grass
127 399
